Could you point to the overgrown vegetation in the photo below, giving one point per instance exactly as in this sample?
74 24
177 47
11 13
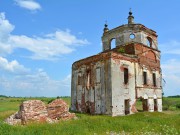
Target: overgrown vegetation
171 103
121 50
165 123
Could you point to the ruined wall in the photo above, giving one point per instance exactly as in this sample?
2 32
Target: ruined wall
112 81
98 82
73 88
91 86
121 91
149 64
149 91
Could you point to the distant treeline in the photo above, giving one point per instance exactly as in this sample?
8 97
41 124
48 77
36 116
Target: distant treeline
176 96
4 96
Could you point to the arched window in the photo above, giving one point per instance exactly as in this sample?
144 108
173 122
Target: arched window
149 42
113 43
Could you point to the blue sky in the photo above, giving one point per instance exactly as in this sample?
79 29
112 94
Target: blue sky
39 40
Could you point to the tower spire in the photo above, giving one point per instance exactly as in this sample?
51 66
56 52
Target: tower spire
105 27
130 17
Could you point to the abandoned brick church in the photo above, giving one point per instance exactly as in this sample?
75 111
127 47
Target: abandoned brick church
112 81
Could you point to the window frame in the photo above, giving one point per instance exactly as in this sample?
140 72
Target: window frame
126 75
144 77
154 79
88 81
98 76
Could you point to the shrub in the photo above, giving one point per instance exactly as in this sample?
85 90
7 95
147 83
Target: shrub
121 50
177 106
166 104
50 100
165 108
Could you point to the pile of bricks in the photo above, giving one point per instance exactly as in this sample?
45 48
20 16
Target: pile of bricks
37 111
33 110
59 110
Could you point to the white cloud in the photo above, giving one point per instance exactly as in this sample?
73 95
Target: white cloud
16 79
34 84
47 47
28 4
5 28
171 47
171 74
21 81
12 67
171 66
50 46
67 81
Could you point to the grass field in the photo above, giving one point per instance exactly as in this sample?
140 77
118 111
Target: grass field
142 123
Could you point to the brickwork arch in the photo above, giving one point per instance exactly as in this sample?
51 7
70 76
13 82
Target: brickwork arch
112 43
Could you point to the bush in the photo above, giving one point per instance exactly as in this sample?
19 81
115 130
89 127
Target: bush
166 104
121 50
165 108
177 106
50 100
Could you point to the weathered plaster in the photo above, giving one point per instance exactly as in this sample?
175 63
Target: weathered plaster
98 82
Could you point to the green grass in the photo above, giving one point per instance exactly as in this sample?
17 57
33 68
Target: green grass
137 124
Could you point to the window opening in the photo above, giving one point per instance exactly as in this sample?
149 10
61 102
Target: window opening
113 43
79 78
155 105
145 77
127 106
88 79
154 79
145 104
126 77
132 36
149 42
98 75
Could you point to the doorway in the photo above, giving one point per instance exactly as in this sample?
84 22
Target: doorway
155 105
145 104
127 106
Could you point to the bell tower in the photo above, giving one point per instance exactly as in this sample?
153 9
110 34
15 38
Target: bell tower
129 33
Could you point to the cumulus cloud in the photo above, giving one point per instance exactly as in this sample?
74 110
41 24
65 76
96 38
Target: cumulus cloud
28 4
67 81
5 28
171 74
171 47
170 64
33 84
18 80
50 46
47 47
12 67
